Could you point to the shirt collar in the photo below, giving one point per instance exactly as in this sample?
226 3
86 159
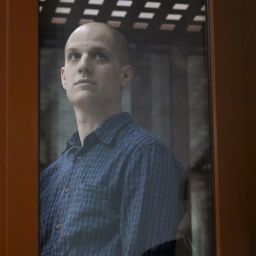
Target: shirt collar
106 132
111 126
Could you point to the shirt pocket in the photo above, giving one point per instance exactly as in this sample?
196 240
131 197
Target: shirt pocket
90 217
90 192
91 204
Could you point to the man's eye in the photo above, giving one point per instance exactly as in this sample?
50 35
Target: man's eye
74 56
100 56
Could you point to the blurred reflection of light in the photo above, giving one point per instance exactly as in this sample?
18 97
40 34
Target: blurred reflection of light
152 5
118 13
58 20
140 25
93 12
180 6
173 16
114 23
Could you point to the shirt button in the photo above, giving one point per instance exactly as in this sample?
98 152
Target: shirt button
58 226
66 190
78 157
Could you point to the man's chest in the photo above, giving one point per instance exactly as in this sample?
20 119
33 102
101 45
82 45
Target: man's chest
84 193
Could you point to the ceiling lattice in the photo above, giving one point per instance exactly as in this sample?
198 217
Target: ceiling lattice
154 20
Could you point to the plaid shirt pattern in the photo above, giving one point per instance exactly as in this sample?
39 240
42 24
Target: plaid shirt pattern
118 194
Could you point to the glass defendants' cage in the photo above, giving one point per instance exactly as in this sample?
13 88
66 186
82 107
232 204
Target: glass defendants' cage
230 45
169 94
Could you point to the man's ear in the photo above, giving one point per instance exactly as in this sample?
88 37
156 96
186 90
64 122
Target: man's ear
63 78
127 75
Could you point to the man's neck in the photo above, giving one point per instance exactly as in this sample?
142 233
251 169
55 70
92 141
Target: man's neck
88 122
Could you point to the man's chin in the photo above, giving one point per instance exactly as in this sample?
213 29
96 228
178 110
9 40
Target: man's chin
84 99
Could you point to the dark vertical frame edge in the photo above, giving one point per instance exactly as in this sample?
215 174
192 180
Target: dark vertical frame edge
19 128
232 39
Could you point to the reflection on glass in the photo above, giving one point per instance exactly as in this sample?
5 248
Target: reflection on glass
168 95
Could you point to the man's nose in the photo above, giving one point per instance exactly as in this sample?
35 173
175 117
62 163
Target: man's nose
85 65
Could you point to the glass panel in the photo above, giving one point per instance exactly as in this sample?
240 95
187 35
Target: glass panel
168 96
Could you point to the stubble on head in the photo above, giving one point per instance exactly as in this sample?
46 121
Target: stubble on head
118 38
110 78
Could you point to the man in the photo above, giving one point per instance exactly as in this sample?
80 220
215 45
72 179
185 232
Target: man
116 188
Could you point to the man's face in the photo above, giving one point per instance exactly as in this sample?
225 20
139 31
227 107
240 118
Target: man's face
92 75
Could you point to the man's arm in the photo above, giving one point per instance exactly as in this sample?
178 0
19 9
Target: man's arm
151 201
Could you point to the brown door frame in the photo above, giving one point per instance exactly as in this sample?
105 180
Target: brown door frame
232 38
19 128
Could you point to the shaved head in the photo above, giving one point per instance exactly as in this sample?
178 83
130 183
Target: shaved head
119 40
96 54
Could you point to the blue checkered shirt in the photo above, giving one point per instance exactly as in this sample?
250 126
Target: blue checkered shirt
117 195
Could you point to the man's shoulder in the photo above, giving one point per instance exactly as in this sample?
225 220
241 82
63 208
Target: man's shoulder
136 137
48 171
143 144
